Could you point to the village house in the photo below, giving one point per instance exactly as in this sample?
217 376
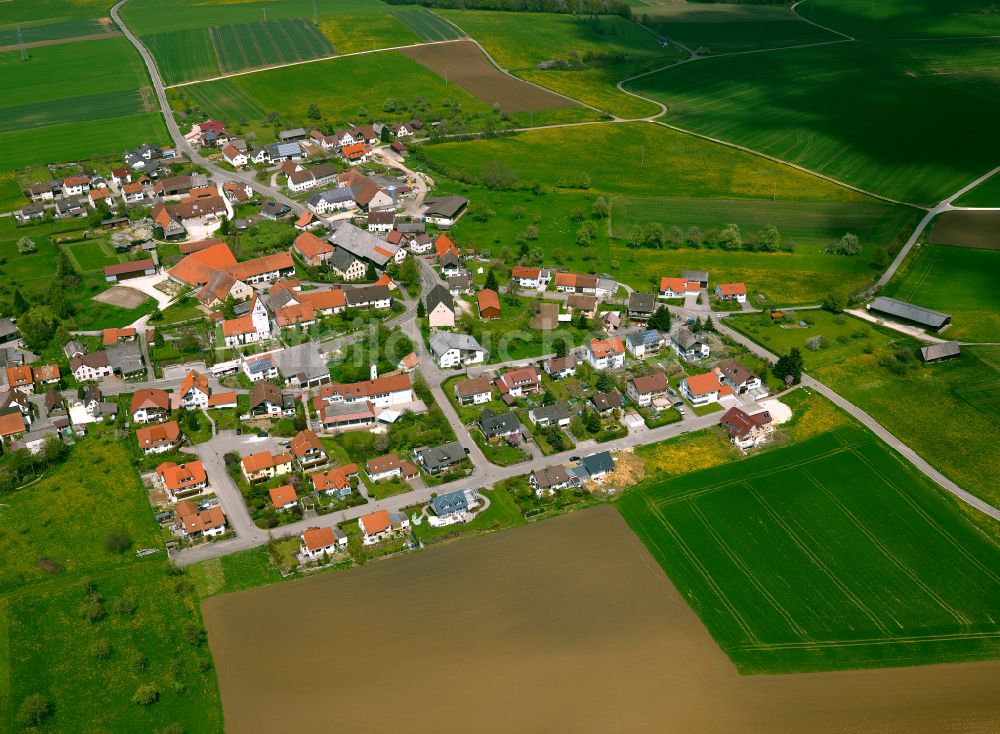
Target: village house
381 222
489 304
519 383
320 542
333 200
181 481
574 283
456 350
474 392
368 296
641 307
731 292
648 388
444 211
642 344
193 523
377 526
90 367
596 466
149 405
603 403
284 497
738 377
390 466
746 428
75 185
259 367
530 278
559 368
158 438
449 508
335 481
606 354
265 465
312 249
704 389
440 458
20 378
382 392
307 449
689 346
581 304
440 307
253 327
557 414
234 156
450 265
194 391
499 426
546 481
97 197
268 400
12 424
344 416
345 266
132 193
678 287
698 277
365 246
461 284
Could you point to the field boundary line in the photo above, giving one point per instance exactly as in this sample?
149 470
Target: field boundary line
747 571
794 8
703 572
891 557
867 641
818 563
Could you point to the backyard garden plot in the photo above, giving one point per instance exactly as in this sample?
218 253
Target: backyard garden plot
427 25
829 554
956 280
859 112
721 28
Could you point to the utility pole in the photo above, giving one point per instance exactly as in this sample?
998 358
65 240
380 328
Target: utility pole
20 42
446 76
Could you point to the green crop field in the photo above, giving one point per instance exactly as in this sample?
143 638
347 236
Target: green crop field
50 115
859 112
365 31
956 280
985 194
42 31
427 25
183 55
946 412
251 45
829 554
41 12
50 545
718 28
603 51
903 18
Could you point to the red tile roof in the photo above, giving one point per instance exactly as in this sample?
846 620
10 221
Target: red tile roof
315 538
376 522
732 289
159 435
181 476
606 347
149 398
283 495
11 424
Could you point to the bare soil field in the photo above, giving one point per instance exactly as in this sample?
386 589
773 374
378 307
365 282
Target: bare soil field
122 296
967 229
565 625
464 64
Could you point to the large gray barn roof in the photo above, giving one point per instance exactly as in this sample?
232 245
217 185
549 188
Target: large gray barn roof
910 312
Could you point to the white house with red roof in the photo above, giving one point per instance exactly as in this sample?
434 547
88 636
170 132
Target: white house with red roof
678 287
704 389
606 354
517 383
320 542
194 391
731 292
378 526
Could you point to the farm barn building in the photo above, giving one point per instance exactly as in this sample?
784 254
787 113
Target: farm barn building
908 312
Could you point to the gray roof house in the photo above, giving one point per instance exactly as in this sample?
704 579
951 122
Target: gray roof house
641 306
555 414
449 504
302 365
362 244
498 425
451 350
596 466
439 458
341 261
126 358
8 330
904 311
550 478
699 276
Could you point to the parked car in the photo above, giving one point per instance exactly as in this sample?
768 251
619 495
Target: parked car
261 434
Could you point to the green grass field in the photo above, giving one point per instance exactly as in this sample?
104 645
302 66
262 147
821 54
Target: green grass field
183 55
43 12
830 554
50 115
956 280
805 106
53 539
985 194
610 49
904 19
362 31
250 45
428 26
43 31
945 412
720 28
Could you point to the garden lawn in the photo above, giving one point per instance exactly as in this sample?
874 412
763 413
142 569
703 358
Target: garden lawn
803 106
54 538
502 513
946 412
956 280
826 555
233 572
845 335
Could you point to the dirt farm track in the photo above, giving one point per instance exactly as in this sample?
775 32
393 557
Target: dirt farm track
464 64
967 229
